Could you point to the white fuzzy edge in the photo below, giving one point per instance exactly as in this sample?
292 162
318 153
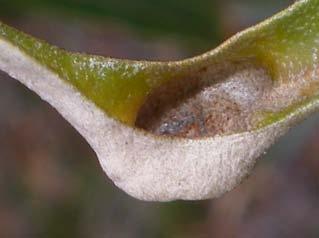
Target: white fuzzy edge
146 167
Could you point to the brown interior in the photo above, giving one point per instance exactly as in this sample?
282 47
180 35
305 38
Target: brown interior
215 100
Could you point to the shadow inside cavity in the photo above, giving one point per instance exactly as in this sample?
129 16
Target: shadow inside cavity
214 100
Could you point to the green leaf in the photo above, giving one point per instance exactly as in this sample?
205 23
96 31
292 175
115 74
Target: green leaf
117 86
191 129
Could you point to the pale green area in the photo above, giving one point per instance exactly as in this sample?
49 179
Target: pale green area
289 43
271 117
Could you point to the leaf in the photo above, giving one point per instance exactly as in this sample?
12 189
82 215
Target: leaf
191 129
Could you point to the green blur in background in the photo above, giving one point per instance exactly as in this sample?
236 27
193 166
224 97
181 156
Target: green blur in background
51 184
189 20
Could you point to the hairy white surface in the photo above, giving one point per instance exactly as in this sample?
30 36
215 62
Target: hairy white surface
145 166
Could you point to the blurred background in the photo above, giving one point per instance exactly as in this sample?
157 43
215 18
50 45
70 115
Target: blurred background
51 184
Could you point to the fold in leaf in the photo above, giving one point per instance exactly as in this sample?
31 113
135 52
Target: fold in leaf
191 129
